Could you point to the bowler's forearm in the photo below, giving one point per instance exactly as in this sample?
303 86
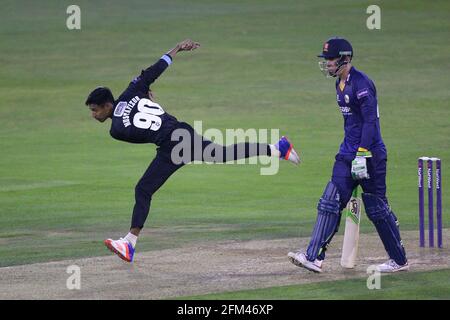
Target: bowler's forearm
173 52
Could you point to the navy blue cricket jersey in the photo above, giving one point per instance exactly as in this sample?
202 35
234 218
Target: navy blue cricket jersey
359 107
136 118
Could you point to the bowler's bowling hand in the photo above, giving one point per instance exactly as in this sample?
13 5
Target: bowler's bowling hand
185 45
188 45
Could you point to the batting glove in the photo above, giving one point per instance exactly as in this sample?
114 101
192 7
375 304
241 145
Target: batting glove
359 164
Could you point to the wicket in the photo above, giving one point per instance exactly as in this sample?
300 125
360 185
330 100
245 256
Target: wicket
430 162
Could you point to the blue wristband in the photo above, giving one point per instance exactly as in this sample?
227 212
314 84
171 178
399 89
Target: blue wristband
167 58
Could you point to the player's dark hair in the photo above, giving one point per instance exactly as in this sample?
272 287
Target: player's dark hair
100 96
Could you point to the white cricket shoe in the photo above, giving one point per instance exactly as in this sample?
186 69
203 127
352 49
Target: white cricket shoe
300 260
391 266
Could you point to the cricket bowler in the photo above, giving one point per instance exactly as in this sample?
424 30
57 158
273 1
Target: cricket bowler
136 118
361 161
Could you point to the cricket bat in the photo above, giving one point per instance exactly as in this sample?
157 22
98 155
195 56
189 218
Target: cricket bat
351 233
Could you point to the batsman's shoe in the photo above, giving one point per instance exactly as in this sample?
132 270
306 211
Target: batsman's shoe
287 151
122 248
300 260
392 266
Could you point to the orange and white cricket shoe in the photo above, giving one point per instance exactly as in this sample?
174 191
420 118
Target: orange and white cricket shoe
122 248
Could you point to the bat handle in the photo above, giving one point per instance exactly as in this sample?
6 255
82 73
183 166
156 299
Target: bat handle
355 192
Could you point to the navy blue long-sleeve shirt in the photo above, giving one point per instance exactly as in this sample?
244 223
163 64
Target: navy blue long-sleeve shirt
136 118
359 107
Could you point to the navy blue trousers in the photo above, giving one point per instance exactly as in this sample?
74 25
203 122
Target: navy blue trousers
162 167
342 178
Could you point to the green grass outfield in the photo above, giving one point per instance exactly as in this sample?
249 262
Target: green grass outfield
411 286
65 185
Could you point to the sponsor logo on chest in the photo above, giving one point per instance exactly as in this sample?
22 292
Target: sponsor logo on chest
345 109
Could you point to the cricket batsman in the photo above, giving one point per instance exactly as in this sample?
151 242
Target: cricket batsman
361 161
137 118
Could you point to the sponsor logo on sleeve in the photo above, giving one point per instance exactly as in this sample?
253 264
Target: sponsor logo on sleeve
362 93
120 108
